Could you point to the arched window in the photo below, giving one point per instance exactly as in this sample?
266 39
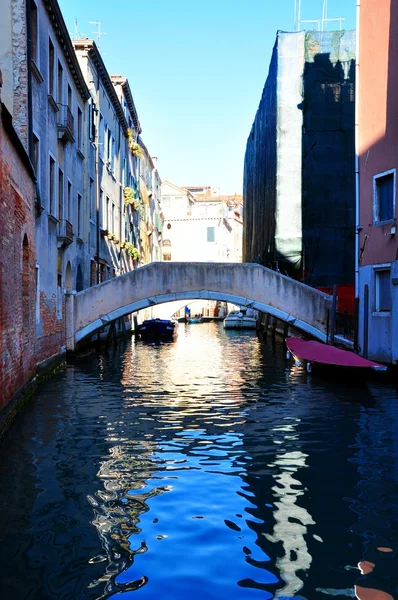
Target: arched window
79 279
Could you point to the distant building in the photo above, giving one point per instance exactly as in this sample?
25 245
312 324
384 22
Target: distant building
200 226
377 151
299 183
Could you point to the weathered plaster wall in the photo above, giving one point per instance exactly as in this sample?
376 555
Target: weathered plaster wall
13 62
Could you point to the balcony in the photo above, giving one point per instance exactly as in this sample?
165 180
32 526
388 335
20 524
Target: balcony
65 125
65 234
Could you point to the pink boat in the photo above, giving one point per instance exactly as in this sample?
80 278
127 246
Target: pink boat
315 353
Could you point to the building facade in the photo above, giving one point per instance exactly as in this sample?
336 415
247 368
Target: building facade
377 156
204 227
59 97
71 153
299 183
17 259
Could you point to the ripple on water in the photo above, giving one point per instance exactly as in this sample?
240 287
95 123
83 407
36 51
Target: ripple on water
207 468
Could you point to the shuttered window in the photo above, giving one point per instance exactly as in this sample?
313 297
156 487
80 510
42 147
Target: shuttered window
383 290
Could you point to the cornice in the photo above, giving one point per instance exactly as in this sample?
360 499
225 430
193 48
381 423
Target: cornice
61 32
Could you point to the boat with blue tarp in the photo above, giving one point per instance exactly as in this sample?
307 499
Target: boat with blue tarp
157 329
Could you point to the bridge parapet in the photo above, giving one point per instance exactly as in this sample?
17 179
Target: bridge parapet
246 284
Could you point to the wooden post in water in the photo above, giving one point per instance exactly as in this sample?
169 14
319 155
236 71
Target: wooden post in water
365 322
266 324
356 325
285 334
110 333
135 322
273 329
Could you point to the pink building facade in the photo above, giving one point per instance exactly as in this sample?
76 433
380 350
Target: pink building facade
377 164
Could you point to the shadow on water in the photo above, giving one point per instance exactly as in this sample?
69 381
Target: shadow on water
206 468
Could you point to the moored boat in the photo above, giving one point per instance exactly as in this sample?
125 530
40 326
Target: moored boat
157 329
312 353
241 319
197 319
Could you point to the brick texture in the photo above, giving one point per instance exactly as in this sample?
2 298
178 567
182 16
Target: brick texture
17 271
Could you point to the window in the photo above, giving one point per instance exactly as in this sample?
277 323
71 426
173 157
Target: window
59 296
101 136
60 83
52 186
69 98
101 204
69 207
108 144
50 68
34 31
384 196
92 198
166 202
210 234
79 128
107 214
167 256
60 194
79 217
113 218
36 154
91 120
383 290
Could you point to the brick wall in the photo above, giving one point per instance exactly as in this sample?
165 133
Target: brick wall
17 271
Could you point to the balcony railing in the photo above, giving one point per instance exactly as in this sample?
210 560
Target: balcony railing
65 233
66 125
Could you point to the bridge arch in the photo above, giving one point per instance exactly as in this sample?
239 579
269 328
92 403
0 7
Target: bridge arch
246 284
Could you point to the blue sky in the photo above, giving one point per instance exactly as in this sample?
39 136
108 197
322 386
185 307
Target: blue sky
196 69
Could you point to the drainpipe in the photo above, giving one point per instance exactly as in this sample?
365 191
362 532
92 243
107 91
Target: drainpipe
357 181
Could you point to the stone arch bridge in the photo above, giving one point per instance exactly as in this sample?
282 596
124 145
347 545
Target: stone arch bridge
245 284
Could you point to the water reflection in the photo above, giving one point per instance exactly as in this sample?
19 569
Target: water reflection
206 468
291 522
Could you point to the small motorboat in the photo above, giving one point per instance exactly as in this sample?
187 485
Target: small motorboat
312 353
241 319
157 329
196 319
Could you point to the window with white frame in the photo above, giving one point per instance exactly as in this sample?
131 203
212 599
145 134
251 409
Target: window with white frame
384 186
383 290
51 187
210 234
79 129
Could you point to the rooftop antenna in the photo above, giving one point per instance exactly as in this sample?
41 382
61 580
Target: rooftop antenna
322 23
76 30
99 32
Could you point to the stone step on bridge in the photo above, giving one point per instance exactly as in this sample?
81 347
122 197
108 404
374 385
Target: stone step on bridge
245 284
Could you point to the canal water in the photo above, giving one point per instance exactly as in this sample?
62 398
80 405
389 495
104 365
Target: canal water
207 468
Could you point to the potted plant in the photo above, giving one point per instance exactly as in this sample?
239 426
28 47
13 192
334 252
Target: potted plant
135 148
